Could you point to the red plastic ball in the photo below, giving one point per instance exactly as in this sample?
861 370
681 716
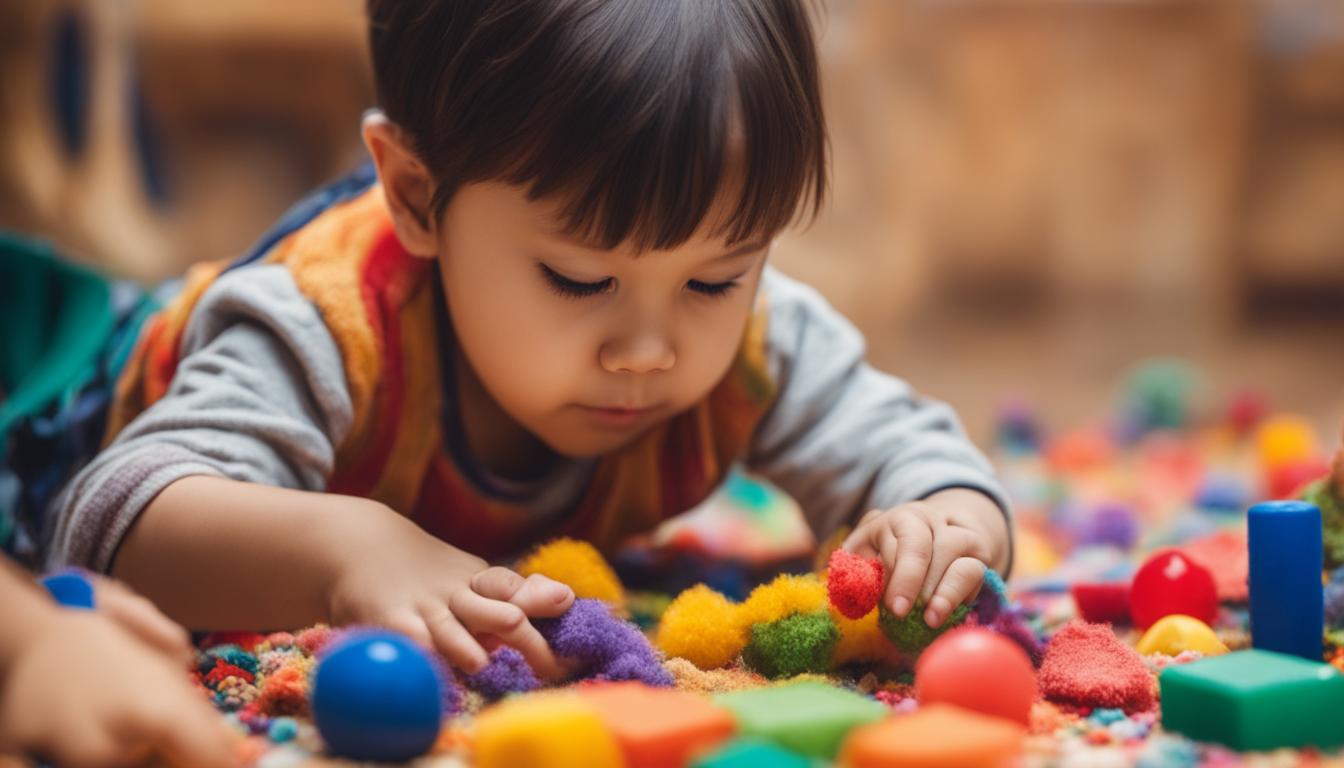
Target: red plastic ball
979 670
1170 582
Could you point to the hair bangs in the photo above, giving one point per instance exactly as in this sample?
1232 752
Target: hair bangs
639 117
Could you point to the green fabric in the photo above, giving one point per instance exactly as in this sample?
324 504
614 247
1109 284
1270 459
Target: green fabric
55 318
1254 700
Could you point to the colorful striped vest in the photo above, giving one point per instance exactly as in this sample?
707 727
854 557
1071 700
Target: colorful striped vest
380 306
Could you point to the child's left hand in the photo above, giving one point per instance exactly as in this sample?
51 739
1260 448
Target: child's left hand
936 549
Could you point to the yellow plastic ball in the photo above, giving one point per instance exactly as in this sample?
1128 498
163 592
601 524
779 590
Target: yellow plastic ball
1176 633
1284 439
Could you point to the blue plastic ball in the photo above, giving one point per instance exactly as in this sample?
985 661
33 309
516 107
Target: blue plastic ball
71 589
377 697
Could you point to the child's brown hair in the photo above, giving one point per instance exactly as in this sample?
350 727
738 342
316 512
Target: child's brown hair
634 112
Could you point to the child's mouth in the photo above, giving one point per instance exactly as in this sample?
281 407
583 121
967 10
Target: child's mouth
616 417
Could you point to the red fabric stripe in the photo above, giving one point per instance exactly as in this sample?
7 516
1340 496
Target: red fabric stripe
385 261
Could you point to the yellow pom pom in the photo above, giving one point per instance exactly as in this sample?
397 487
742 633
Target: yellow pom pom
783 597
581 566
861 640
703 627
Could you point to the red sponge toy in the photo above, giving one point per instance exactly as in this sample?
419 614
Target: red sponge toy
853 583
1087 665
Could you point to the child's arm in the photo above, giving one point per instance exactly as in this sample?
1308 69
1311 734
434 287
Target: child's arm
211 501
845 439
217 554
77 688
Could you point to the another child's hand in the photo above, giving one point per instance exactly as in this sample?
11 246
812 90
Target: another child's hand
140 617
82 690
407 580
936 549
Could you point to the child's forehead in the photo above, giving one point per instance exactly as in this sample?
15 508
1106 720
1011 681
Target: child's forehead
548 217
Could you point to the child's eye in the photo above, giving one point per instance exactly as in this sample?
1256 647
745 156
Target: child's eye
712 289
573 289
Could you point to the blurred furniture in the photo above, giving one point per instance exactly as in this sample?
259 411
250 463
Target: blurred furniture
1291 252
76 164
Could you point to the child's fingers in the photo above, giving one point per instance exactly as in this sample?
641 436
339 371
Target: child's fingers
454 642
543 597
963 577
141 618
88 746
506 621
909 564
536 594
862 541
194 734
949 543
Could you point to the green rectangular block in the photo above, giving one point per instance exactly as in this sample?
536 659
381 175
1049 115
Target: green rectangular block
809 717
752 753
1254 700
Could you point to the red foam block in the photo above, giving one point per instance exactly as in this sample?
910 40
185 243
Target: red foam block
1102 603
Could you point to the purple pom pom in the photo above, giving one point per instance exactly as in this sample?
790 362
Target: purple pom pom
1110 524
1013 625
508 672
607 647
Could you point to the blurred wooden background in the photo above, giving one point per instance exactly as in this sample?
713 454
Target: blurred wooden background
1029 196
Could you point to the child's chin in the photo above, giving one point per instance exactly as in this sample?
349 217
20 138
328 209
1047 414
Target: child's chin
591 445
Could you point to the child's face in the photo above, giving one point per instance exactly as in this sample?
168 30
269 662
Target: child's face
587 348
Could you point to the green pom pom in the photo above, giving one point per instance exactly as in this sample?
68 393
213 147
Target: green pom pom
1322 495
803 642
911 634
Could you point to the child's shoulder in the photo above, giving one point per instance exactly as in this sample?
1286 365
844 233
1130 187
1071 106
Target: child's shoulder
801 322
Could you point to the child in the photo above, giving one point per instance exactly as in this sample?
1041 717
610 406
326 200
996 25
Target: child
82 688
549 313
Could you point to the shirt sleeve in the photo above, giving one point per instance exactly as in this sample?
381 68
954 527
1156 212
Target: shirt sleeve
260 396
841 437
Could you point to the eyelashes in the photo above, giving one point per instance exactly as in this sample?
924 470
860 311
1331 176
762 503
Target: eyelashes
574 289
712 289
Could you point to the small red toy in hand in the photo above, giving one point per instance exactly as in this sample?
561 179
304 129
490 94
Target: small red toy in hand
853 583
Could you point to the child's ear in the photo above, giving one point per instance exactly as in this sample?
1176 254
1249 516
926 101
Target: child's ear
407 184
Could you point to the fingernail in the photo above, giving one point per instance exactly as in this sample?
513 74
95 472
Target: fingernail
901 607
938 608
560 593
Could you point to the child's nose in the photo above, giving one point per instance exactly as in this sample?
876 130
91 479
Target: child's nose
638 353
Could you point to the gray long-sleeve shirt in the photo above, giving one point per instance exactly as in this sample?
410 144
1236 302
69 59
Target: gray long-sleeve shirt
260 396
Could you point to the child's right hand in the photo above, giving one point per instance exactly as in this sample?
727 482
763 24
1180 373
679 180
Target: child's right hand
83 690
406 580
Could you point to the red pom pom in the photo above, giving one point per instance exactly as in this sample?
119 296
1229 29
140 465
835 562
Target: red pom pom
853 583
284 693
1087 666
315 638
223 670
